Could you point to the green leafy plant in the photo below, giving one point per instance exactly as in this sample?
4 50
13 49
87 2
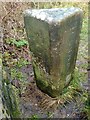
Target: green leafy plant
34 117
16 74
22 62
19 43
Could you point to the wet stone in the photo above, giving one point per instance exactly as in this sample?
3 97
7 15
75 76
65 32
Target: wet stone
53 36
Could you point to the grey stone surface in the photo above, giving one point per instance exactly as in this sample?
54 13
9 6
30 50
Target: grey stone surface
54 15
53 36
1 44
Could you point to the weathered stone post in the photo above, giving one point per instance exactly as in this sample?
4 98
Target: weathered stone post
53 36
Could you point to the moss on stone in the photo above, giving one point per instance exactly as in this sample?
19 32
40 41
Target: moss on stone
10 98
43 82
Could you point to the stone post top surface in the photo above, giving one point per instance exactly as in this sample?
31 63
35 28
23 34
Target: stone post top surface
53 14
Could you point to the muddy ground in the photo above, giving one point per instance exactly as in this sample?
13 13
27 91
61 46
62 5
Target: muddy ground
36 103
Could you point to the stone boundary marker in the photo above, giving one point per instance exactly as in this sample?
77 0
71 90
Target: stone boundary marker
53 36
8 103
